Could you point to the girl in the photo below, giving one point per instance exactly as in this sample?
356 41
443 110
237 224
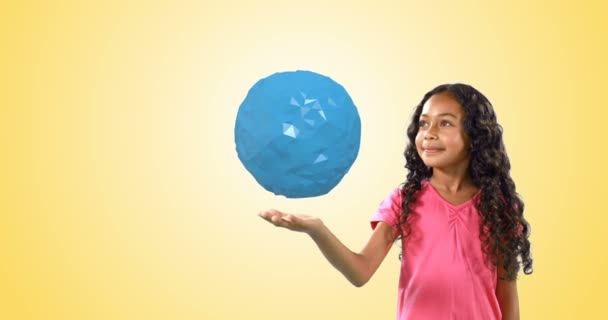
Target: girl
457 215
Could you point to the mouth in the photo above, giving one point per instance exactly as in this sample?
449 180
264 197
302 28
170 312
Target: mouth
432 150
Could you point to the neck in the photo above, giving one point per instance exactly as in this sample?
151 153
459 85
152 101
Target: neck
452 181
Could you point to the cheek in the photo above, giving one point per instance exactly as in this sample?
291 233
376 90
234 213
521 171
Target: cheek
419 139
457 142
453 138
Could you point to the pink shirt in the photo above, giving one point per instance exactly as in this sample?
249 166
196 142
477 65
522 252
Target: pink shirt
443 273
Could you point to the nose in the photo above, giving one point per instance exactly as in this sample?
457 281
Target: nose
430 133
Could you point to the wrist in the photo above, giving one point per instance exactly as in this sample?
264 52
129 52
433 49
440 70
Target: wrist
315 228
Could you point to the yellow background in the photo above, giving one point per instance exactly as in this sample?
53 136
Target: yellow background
123 197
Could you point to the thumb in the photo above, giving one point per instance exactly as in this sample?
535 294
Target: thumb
290 218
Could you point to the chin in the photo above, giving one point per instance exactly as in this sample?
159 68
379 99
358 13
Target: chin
429 164
434 163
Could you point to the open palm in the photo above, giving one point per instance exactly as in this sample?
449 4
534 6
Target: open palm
295 222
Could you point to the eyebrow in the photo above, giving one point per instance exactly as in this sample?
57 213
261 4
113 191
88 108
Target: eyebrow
441 114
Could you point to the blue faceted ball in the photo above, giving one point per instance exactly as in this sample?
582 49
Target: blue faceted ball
298 133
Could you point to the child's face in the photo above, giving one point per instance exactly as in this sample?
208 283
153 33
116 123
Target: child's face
441 140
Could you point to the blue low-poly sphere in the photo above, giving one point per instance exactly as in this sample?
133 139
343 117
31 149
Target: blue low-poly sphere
298 133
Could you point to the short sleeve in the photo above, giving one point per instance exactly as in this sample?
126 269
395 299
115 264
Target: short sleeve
389 210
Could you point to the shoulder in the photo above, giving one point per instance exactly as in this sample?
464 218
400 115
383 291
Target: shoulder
394 198
423 191
389 208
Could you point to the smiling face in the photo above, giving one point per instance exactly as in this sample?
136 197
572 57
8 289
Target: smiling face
441 141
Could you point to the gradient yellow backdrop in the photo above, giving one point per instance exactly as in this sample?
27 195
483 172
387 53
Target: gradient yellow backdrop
123 197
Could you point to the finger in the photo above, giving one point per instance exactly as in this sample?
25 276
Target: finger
264 214
267 214
291 222
277 218
277 221
275 212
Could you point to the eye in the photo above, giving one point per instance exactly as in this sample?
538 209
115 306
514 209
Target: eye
421 123
446 123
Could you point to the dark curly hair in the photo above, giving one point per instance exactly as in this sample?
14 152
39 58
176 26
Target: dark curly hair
503 232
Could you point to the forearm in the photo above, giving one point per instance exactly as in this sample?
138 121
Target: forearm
358 268
352 265
509 312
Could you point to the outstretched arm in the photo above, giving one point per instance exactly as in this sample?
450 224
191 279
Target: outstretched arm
358 268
